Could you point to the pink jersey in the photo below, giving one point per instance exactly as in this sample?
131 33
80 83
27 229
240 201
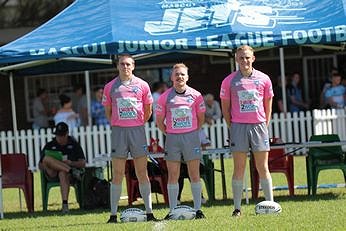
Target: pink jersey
127 101
180 110
247 95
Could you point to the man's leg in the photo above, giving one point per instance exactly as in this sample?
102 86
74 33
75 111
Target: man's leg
144 183
173 186
239 160
116 185
261 159
64 178
54 168
196 188
56 165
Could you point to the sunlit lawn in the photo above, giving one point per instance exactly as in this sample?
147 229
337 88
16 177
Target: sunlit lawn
326 211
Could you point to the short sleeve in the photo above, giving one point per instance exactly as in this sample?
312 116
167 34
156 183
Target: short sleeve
225 89
160 108
147 96
268 89
106 100
200 104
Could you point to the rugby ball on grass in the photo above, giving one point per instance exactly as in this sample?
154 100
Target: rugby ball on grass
268 207
182 212
133 215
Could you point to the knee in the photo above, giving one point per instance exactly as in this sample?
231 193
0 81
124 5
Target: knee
262 168
117 176
173 177
195 178
142 176
238 173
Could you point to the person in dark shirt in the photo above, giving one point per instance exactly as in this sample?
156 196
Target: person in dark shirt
61 160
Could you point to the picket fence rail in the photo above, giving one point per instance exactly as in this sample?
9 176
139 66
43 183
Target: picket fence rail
96 140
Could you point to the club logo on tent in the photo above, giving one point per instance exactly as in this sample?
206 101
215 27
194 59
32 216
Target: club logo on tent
197 15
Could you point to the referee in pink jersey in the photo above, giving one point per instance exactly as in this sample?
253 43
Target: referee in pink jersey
128 105
180 115
246 100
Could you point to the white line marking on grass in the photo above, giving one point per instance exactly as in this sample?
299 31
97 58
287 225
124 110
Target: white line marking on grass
159 226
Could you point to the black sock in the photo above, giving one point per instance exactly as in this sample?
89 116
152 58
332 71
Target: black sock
64 202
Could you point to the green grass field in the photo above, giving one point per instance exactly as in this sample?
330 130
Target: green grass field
326 211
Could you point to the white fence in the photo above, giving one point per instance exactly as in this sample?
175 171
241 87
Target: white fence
96 140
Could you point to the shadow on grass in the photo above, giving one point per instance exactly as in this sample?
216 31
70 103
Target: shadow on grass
74 211
229 202
217 202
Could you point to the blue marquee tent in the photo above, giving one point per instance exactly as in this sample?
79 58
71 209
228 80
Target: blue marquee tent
103 27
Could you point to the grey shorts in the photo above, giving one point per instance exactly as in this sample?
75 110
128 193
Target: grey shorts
246 136
183 147
128 140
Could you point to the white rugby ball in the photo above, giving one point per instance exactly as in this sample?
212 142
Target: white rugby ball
182 212
268 207
133 215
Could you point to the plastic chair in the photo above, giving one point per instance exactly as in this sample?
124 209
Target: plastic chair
15 174
277 162
158 181
46 185
321 158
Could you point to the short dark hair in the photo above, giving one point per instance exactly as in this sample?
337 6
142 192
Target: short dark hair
41 91
78 87
64 99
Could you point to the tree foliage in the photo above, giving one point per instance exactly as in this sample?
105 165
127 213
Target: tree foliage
29 13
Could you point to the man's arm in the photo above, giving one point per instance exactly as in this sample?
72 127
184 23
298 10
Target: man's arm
80 163
225 106
200 119
147 112
160 123
217 111
268 109
108 112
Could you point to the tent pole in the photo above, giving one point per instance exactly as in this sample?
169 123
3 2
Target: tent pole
88 95
14 114
15 129
283 78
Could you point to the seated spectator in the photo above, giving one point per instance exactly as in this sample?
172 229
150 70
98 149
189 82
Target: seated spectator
278 104
80 104
327 84
67 167
40 109
213 110
335 95
97 109
294 93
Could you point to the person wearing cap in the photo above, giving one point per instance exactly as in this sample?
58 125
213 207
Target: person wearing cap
128 105
61 160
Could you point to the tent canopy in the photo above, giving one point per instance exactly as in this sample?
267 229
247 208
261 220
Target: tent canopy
103 27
